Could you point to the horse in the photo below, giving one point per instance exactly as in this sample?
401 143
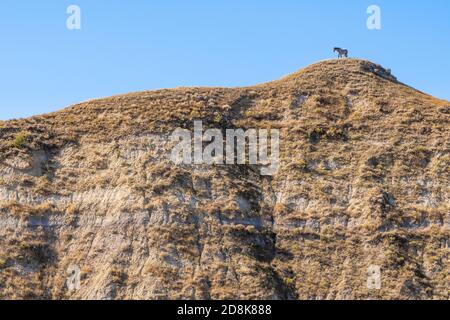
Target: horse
341 52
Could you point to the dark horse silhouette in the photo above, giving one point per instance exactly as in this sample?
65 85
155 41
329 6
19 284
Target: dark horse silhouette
341 52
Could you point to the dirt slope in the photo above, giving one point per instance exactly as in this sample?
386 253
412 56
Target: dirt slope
364 180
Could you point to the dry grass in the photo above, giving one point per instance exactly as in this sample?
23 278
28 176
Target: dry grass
363 180
20 209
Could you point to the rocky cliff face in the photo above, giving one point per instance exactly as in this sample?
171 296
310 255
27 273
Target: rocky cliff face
363 181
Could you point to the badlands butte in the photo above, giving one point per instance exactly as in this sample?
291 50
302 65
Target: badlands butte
363 181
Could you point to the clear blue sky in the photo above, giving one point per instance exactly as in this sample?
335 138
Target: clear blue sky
137 45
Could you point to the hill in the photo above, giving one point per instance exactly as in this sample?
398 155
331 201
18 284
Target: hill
363 181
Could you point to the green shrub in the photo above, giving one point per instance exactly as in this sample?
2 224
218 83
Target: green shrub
19 140
217 118
2 263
